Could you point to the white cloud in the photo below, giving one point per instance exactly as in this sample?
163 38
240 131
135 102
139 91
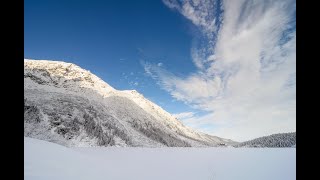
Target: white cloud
133 83
246 69
184 115
160 64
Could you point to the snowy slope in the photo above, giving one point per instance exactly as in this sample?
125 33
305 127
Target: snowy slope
71 106
44 160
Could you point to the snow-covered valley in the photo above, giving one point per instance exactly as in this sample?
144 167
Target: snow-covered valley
76 126
45 160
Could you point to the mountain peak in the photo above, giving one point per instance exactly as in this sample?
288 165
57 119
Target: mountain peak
62 74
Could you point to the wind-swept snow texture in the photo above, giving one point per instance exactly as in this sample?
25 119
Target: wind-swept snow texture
70 106
49 161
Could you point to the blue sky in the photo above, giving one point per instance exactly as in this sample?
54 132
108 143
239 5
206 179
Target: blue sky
224 67
111 38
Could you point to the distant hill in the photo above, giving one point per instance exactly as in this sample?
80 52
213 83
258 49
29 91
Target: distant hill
274 140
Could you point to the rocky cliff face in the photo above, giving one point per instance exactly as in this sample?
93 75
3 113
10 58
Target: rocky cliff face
68 105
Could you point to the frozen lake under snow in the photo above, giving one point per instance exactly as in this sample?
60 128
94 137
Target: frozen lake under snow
49 161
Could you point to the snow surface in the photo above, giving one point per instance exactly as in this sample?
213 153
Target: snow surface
45 160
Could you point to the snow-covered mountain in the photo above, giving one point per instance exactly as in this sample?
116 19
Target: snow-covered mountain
274 140
70 106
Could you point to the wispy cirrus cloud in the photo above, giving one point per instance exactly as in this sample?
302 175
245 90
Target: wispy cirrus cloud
184 115
245 56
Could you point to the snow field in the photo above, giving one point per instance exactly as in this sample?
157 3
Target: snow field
45 160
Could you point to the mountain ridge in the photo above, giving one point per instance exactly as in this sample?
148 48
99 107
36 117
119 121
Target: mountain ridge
71 106
271 141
